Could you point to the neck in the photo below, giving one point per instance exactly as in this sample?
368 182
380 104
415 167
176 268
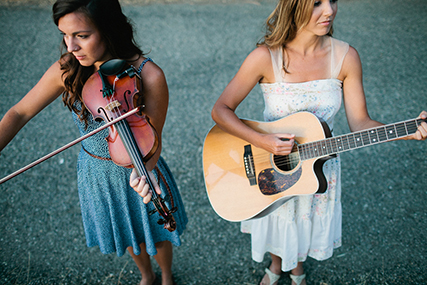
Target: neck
305 44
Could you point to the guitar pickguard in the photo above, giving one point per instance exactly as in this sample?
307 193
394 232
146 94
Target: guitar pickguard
271 182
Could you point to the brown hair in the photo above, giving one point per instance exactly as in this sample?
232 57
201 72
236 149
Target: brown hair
115 30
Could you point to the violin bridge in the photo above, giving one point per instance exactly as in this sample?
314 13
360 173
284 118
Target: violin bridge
112 105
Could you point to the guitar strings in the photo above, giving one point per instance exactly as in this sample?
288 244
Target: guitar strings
339 144
280 160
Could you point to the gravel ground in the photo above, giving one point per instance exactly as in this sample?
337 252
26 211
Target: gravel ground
200 47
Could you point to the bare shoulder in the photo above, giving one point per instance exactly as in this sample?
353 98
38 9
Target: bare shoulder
352 58
352 54
262 51
351 65
51 85
258 63
260 55
152 74
55 73
155 90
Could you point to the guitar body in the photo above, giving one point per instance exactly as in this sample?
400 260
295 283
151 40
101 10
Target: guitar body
226 169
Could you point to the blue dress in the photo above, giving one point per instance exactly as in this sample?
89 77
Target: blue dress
114 215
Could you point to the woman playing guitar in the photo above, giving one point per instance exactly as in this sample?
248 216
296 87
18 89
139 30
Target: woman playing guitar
299 67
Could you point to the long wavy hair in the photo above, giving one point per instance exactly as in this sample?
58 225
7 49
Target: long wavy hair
116 31
285 21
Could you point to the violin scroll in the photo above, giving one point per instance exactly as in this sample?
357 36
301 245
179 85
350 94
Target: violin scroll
167 220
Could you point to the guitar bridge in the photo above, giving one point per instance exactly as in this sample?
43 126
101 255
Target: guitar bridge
248 160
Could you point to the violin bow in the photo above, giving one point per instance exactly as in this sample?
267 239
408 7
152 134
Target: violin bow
53 153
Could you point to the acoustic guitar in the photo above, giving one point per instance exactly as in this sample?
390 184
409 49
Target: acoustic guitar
245 182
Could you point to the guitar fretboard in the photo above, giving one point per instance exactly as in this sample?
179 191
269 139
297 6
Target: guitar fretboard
360 139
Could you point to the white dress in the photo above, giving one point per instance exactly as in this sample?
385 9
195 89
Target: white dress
306 225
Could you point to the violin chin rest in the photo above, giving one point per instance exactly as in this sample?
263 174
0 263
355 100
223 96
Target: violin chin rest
112 67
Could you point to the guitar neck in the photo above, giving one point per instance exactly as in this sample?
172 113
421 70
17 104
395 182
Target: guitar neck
360 139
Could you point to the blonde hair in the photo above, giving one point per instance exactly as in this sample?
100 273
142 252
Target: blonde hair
286 20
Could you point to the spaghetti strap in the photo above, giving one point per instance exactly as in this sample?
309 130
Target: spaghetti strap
143 63
339 50
277 62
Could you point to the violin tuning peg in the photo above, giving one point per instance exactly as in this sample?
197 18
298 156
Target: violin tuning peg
131 72
152 212
161 222
167 198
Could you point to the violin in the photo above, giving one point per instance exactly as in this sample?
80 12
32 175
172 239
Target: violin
110 93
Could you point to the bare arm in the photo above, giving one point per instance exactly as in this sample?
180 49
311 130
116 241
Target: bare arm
354 95
256 68
155 91
43 93
355 101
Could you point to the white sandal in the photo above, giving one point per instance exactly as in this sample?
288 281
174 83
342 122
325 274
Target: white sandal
272 276
297 278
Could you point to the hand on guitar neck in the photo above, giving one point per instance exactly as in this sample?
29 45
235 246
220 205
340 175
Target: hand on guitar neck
421 133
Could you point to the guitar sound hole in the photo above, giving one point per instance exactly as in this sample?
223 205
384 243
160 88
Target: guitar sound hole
287 162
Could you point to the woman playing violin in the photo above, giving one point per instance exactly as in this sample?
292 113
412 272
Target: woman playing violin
115 216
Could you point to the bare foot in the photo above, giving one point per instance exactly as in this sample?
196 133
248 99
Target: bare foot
167 281
149 280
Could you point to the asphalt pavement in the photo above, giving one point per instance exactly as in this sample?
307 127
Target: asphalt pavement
200 46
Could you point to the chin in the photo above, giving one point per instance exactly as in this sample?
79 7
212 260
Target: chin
324 33
85 63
